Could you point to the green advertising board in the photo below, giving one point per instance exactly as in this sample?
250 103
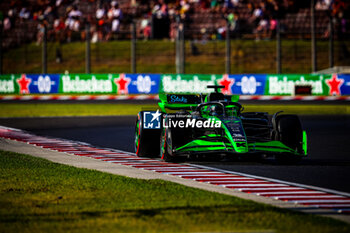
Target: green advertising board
8 84
284 84
187 83
87 84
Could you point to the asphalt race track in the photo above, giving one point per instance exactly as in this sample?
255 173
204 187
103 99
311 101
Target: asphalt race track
327 166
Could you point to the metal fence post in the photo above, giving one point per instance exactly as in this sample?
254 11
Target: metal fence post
133 47
152 28
87 49
1 33
44 51
313 38
331 42
228 48
177 47
182 48
278 48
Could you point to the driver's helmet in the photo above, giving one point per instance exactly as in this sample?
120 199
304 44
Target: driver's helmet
216 110
231 112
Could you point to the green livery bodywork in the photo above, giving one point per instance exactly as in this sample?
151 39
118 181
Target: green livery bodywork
228 144
237 133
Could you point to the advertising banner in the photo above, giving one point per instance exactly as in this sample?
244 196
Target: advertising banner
240 84
339 84
40 83
110 83
187 83
29 84
87 84
141 83
284 84
247 84
7 84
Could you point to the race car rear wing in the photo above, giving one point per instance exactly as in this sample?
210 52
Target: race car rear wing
179 101
188 101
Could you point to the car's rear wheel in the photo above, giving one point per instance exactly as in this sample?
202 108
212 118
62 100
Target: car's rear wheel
146 140
166 152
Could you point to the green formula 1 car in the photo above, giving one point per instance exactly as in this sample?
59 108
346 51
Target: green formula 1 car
215 124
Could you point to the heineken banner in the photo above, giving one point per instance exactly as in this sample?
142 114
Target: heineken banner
248 84
321 84
29 84
7 84
87 84
187 83
110 83
240 84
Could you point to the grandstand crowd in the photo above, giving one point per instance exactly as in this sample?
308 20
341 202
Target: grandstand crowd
66 20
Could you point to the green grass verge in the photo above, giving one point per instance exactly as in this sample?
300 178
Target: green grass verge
44 109
40 196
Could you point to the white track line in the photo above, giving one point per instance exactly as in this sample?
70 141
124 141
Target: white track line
329 206
190 173
287 192
326 201
253 185
223 178
239 182
301 197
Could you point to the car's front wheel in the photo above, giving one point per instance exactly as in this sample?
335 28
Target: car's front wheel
289 132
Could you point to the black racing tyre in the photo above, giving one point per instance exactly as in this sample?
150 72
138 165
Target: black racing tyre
289 132
166 144
146 140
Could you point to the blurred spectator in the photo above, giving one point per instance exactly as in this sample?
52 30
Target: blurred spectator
7 24
24 13
59 28
58 3
73 22
231 4
323 4
100 12
185 8
12 16
205 4
101 19
257 17
41 30
145 28
221 32
273 27
114 15
160 18
262 28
